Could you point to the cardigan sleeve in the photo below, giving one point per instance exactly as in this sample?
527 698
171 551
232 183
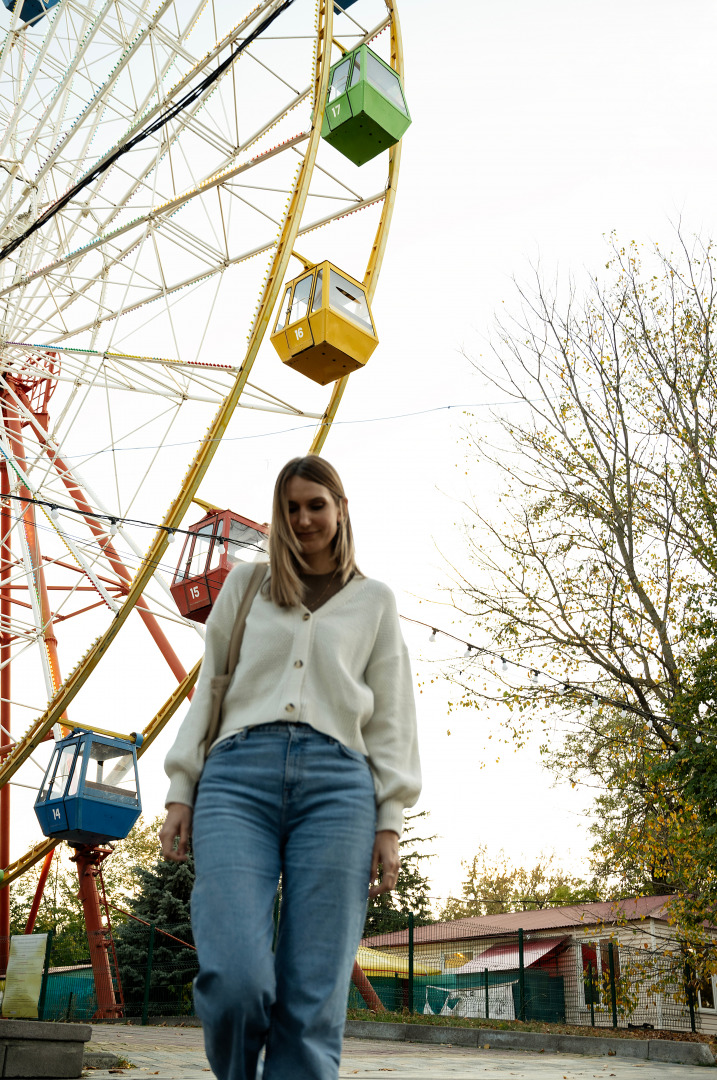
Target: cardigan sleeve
391 735
185 760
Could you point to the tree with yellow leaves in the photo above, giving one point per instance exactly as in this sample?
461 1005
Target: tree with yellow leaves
596 582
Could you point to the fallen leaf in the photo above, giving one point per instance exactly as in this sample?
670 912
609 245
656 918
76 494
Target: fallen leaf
611 1053
487 1046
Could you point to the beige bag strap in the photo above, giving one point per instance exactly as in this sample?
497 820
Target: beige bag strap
220 683
240 623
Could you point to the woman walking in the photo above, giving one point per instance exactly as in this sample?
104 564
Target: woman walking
314 762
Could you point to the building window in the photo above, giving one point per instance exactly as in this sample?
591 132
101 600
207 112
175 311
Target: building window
706 994
596 963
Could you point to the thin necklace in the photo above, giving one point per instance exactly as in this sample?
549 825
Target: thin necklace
317 601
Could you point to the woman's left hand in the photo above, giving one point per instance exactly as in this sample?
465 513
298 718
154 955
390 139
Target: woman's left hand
385 855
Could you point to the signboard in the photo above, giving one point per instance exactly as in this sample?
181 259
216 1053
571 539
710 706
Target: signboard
23 981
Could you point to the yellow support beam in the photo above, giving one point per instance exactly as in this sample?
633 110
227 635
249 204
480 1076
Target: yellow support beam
197 470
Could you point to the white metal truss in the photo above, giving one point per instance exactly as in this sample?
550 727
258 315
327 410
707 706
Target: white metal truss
140 292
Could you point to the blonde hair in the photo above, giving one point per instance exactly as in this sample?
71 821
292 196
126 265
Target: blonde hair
285 586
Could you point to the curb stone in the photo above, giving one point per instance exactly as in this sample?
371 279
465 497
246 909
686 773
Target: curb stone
676 1053
100 1059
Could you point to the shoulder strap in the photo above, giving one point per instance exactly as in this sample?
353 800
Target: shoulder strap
240 623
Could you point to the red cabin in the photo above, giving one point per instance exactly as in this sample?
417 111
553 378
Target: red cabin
213 547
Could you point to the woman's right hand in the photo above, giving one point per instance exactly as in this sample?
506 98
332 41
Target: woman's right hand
178 823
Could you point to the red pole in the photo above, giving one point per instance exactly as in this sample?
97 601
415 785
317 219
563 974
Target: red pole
37 900
5 675
88 860
367 992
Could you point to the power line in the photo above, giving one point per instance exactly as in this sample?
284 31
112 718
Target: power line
115 520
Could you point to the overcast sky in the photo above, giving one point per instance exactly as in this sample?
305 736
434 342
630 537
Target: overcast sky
537 129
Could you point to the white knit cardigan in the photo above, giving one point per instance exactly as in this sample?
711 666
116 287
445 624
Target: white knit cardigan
343 669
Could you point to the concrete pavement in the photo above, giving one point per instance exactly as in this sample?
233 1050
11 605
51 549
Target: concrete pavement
174 1053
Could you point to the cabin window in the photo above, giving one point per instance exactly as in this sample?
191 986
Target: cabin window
318 291
64 769
349 300
202 543
356 73
385 80
302 295
706 994
113 774
339 78
283 310
245 543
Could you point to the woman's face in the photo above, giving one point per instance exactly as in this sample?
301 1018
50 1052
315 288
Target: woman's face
313 515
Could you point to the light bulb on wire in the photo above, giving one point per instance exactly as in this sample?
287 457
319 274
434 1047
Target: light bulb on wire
469 651
113 526
432 635
170 536
54 514
503 664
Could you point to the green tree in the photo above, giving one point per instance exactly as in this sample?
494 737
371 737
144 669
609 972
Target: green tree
496 887
390 911
162 898
595 578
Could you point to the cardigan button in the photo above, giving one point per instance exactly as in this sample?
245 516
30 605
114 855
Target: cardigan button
298 663
289 708
306 615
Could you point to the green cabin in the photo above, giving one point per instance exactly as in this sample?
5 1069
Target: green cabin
366 111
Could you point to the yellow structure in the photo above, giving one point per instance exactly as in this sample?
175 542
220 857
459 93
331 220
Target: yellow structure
324 328
374 962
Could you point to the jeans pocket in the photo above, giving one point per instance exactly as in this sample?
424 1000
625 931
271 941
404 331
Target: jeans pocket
223 745
352 755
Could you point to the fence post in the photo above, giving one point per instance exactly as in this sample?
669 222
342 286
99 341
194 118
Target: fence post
45 973
148 974
613 989
410 962
487 1006
690 996
591 989
521 975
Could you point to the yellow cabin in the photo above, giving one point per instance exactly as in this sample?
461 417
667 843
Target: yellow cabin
324 328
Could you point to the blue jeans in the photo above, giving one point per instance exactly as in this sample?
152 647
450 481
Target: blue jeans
279 799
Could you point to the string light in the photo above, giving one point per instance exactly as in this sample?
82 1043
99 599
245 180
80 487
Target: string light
55 514
170 536
113 526
561 686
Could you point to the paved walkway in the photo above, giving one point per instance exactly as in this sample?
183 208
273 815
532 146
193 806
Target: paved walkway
174 1053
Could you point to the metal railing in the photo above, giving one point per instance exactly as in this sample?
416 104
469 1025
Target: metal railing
547 977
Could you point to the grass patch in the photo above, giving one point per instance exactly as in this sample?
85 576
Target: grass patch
529 1025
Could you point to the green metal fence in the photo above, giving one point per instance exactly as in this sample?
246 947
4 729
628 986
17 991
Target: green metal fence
430 970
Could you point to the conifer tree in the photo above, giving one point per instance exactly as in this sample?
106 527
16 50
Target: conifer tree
389 911
163 900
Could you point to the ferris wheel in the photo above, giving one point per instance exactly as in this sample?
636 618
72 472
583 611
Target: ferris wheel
177 193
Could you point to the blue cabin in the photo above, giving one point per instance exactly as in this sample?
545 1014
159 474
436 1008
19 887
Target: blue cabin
31 10
90 792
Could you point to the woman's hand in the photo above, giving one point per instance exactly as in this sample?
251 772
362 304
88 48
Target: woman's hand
178 823
385 855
